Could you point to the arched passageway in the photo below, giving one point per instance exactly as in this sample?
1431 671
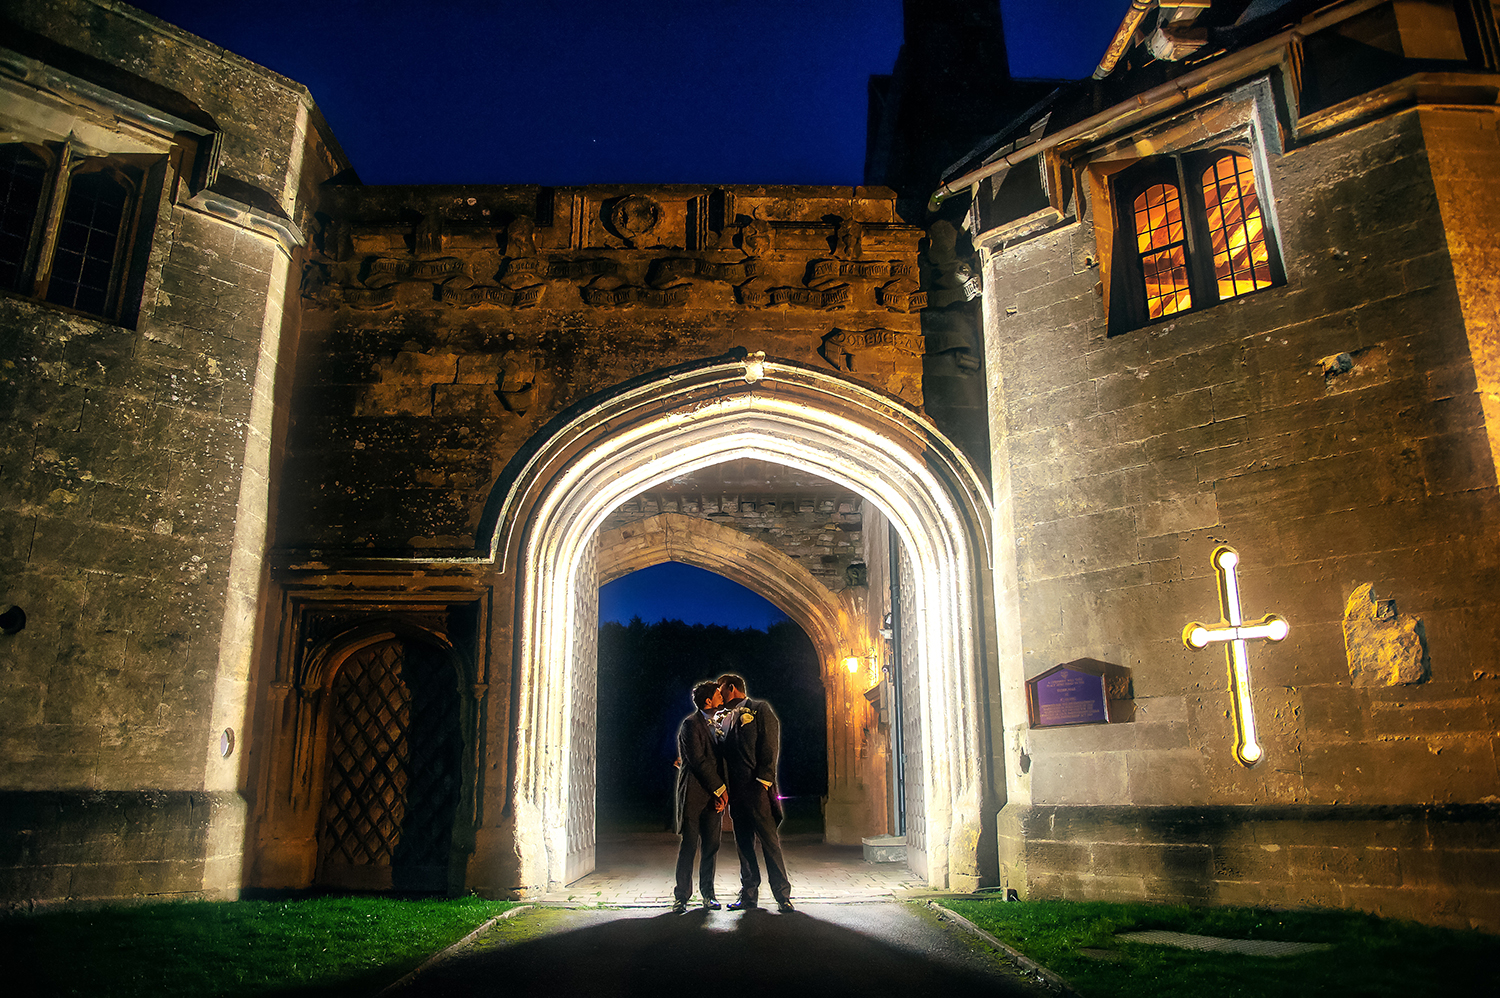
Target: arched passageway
857 791
549 514
738 557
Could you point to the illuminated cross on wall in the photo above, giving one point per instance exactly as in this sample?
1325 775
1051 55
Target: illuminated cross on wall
1235 632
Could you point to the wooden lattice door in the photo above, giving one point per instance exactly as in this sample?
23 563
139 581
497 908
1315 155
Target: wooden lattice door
393 771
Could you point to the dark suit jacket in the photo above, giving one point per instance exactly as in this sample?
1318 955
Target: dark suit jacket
752 748
701 770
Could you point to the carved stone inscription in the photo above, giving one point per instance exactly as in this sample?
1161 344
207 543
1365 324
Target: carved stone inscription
842 346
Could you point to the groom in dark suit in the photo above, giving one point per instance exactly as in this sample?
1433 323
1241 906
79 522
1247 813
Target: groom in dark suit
702 794
752 746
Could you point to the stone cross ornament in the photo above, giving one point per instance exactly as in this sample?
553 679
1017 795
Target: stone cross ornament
1234 632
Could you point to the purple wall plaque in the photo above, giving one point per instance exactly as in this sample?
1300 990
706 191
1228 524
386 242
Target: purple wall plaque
1062 696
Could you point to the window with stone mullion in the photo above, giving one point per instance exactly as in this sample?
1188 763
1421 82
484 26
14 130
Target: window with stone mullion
87 240
23 180
1191 233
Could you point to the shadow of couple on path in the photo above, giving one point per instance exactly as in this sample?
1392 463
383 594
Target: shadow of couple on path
865 950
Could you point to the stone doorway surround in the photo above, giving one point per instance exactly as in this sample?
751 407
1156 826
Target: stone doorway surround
325 631
549 508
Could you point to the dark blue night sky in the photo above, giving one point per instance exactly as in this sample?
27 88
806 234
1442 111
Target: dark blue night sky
607 91
674 591
612 91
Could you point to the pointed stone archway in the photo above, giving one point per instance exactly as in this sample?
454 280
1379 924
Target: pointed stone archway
740 558
552 502
857 799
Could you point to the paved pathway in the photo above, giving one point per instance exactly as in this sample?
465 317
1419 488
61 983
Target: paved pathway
610 935
868 949
637 870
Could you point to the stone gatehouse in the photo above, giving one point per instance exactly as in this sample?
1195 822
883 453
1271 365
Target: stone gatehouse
302 473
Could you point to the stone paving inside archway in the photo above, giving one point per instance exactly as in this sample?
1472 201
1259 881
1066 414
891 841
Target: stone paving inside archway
637 870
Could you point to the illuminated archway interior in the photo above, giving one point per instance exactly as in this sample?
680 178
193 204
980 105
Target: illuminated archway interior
760 410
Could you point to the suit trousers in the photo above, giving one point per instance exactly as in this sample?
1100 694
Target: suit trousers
753 821
705 829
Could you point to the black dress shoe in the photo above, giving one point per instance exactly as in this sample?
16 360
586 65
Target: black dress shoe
712 904
743 904
678 907
784 905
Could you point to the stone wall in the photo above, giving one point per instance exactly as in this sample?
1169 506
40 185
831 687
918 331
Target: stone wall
1399 862
1330 430
443 327
136 470
108 846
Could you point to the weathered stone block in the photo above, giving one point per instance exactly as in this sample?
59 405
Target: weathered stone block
1080 543
1383 647
1178 515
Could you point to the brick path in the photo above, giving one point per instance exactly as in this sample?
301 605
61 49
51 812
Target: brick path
637 870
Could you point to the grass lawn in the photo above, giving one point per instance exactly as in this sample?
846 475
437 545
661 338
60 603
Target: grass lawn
1370 956
323 945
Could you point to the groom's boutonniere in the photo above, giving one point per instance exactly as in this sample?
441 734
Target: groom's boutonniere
747 717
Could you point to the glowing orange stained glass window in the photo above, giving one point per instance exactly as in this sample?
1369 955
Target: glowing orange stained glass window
1160 235
1236 229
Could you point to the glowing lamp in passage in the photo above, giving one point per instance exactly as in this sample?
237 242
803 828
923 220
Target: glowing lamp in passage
1233 632
852 664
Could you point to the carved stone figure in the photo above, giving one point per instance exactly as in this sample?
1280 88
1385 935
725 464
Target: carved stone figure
755 238
849 240
520 238
635 217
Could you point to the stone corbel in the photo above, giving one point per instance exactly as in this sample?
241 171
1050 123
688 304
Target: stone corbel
516 398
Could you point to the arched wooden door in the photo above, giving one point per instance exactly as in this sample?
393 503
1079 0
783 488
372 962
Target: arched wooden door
393 779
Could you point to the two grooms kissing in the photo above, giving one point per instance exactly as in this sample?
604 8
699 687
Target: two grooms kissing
727 751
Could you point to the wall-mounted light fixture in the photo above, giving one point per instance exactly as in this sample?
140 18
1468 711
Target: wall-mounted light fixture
851 663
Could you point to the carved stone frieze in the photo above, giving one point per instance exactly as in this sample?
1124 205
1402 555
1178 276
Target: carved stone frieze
366 298
757 294
902 295
635 294
755 239
416 270
523 297
669 269
633 218
849 240
533 266
821 273
578 270
520 238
